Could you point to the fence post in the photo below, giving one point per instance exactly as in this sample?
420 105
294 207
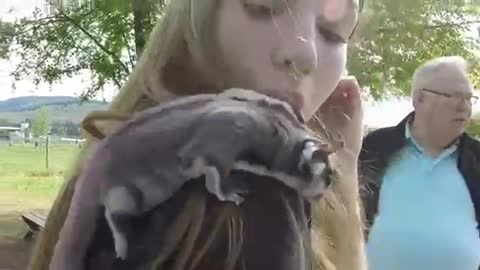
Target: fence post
46 152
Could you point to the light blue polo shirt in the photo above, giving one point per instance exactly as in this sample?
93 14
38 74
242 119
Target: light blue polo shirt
426 219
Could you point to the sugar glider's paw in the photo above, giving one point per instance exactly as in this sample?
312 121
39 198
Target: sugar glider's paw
233 197
236 198
121 247
315 163
213 182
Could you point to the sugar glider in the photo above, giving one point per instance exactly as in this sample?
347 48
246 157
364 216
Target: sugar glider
206 136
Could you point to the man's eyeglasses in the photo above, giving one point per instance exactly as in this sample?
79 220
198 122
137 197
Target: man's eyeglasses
472 99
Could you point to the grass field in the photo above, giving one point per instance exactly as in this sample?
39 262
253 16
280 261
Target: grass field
26 184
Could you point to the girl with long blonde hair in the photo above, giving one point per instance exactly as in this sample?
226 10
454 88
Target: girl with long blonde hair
295 47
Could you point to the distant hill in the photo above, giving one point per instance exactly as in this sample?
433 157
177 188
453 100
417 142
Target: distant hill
61 108
31 103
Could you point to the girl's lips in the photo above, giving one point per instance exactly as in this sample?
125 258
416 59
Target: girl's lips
294 98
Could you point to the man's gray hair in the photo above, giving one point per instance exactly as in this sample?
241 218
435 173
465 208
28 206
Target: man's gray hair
444 74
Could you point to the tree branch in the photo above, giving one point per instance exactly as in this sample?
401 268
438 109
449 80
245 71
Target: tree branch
117 82
387 30
140 16
107 51
48 19
36 25
444 25
130 56
61 42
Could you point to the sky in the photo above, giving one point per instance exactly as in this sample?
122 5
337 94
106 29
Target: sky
11 10
376 114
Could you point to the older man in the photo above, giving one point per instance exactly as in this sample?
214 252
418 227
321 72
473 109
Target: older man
421 178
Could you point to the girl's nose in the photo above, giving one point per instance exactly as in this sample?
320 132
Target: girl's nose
297 52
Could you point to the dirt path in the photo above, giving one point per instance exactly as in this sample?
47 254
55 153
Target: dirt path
14 250
14 254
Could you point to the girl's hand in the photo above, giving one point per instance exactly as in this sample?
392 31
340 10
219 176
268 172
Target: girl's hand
342 116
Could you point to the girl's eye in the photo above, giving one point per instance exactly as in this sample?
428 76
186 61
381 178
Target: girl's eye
262 9
330 36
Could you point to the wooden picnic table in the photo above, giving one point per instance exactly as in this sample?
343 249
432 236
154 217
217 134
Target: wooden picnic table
35 222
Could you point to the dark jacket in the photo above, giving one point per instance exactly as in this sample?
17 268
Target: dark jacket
381 145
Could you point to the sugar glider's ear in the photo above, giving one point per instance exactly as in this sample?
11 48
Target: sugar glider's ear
101 124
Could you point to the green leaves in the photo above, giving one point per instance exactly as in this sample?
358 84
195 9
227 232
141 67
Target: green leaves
105 37
6 36
474 128
97 36
395 37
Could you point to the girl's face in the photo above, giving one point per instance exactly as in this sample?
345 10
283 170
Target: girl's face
297 47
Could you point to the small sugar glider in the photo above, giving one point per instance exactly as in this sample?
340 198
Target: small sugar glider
206 136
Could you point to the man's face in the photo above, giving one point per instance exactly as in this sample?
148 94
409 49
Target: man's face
448 111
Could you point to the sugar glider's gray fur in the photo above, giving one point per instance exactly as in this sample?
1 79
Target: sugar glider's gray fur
154 154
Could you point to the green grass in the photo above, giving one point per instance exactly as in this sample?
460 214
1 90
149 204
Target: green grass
24 159
26 184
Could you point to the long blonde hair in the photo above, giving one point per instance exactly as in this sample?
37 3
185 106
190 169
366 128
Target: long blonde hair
180 46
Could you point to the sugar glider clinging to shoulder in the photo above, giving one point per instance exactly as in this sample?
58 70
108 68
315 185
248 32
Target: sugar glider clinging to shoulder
155 153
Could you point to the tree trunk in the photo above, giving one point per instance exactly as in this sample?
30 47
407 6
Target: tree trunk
141 17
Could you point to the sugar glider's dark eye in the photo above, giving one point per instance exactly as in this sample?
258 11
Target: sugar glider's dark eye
264 9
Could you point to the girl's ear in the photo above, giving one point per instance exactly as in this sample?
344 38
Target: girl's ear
100 124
